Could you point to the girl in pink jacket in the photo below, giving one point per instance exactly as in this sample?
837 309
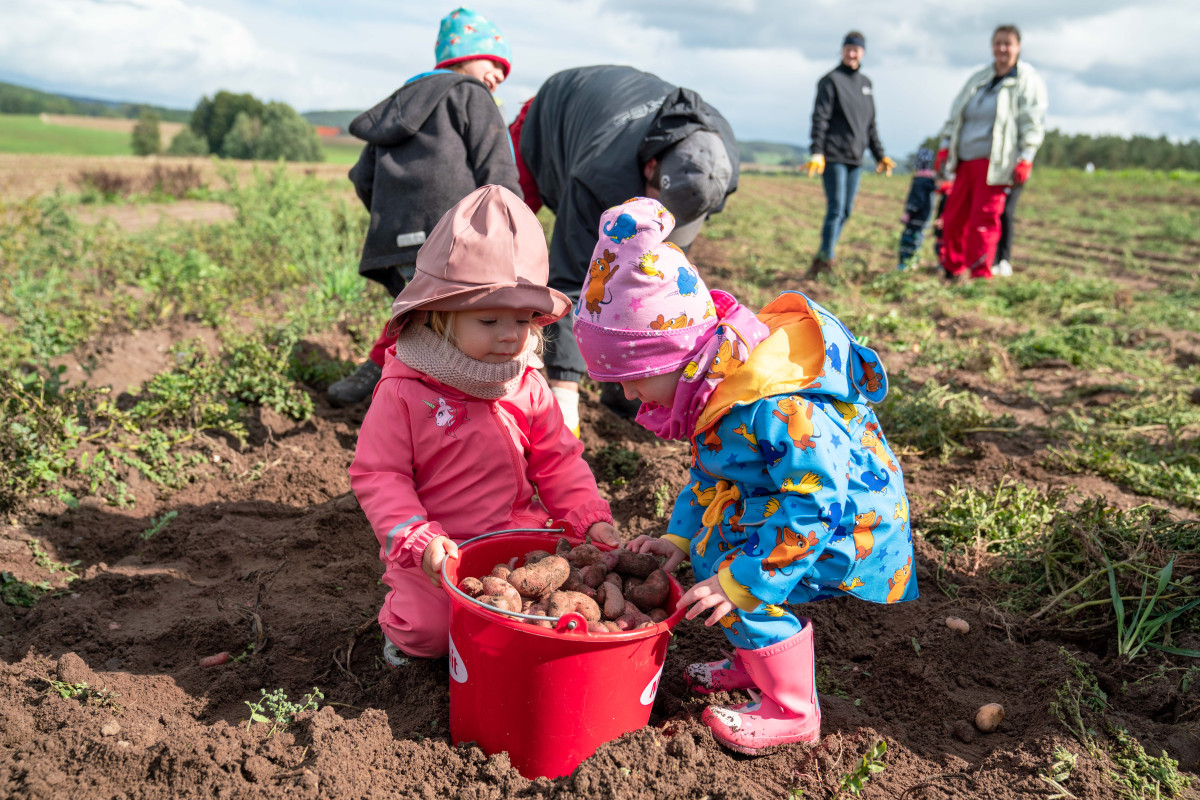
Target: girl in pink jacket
463 435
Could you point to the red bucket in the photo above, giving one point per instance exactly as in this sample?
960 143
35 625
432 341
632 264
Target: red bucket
549 697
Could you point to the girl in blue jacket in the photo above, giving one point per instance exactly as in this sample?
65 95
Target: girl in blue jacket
794 494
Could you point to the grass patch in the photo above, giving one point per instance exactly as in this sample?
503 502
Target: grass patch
935 419
26 133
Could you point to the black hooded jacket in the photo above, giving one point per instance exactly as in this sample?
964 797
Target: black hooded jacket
432 142
588 133
843 118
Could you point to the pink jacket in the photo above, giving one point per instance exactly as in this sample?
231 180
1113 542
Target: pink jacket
432 461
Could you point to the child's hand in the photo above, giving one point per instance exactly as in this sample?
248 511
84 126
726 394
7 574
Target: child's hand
436 553
703 596
658 547
602 531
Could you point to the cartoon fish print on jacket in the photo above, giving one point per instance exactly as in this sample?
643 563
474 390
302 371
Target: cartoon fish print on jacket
599 274
788 549
899 582
864 534
621 229
664 324
870 440
646 263
725 361
851 586
834 356
875 483
448 414
797 413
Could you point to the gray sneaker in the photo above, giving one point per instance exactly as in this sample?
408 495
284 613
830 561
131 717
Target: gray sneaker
353 389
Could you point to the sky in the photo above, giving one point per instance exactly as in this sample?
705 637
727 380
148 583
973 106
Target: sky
1111 66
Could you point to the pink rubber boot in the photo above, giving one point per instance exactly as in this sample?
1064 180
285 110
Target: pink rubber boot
786 711
725 675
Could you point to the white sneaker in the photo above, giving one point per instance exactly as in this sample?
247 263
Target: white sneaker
392 654
1003 269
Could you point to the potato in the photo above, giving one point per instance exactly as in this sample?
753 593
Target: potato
495 587
638 564
562 547
614 579
593 574
472 586
534 556
989 717
574 582
632 618
958 625
215 660
584 556
612 605
561 603
658 615
652 593
501 602
631 582
541 578
501 571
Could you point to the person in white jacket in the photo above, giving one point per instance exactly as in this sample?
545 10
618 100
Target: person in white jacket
997 122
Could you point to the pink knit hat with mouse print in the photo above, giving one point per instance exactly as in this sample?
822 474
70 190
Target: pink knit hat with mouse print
643 310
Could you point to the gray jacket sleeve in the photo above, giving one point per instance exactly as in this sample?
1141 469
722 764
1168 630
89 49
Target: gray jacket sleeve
362 175
574 238
489 149
873 140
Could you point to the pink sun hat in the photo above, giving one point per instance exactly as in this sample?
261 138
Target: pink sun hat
644 310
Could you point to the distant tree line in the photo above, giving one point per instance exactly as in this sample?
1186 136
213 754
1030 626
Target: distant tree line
1110 152
23 100
235 126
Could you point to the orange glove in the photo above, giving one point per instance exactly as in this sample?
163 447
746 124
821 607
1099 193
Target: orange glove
815 165
940 159
885 165
1021 171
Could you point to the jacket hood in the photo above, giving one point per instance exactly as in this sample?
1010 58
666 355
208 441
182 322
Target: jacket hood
809 352
402 113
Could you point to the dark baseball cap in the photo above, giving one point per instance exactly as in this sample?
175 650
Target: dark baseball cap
695 179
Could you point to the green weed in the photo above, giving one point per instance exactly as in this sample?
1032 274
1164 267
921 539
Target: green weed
871 763
84 693
1078 701
1059 773
15 592
276 709
617 465
1002 519
159 525
1140 776
1143 626
935 419
662 500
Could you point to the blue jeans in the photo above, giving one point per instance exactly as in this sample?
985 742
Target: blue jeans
841 184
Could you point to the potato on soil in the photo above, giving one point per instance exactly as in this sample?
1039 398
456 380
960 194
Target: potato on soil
561 603
215 660
639 564
958 625
542 578
652 593
471 586
989 717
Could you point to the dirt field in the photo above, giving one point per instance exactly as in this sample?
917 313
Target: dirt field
270 548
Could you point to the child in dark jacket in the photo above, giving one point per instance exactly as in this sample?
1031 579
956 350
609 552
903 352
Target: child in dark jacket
794 494
918 208
430 143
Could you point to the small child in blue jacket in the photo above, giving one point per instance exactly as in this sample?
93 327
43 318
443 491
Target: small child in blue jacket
794 494
918 208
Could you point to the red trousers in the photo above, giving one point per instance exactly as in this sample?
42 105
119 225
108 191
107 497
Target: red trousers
971 221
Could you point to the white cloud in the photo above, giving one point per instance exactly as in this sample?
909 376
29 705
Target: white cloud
1110 65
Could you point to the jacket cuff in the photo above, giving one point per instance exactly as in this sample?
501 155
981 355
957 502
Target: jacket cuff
737 593
416 548
583 517
681 542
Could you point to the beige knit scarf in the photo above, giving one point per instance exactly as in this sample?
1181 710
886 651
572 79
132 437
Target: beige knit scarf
423 350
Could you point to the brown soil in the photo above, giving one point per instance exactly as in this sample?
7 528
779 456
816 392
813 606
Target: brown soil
270 549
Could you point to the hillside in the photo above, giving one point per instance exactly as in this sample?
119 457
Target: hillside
16 99
772 153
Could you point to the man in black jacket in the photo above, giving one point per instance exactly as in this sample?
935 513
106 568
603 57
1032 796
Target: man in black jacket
843 126
592 138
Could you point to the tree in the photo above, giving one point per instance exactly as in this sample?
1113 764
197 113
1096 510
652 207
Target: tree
286 134
242 138
213 118
187 143
146 139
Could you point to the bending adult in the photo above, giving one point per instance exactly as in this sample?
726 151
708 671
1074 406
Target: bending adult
996 125
843 127
592 138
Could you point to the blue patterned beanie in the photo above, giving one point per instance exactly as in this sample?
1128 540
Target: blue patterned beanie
466 35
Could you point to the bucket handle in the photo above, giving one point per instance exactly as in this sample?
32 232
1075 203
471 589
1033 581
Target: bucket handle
575 621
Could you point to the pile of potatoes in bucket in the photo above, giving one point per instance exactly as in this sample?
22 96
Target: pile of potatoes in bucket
614 590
